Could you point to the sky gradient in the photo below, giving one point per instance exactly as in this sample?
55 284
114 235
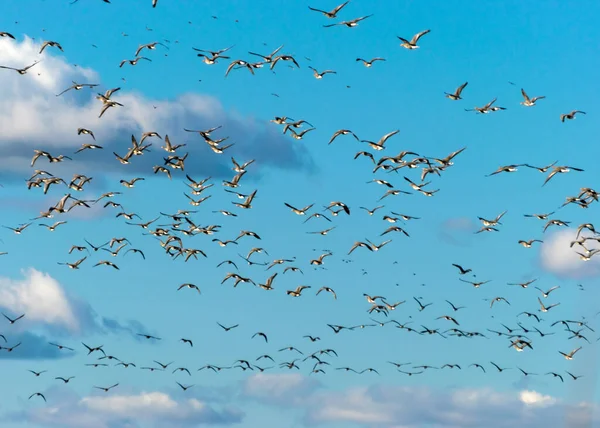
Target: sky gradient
547 48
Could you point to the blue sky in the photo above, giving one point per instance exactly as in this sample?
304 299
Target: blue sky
547 48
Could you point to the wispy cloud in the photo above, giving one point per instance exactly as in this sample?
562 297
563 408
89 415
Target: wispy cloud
126 410
34 117
415 406
457 231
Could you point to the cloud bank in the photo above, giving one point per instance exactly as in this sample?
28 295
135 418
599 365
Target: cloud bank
34 117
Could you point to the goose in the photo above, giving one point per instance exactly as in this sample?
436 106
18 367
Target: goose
133 61
493 222
542 169
412 44
86 132
267 58
20 229
299 211
106 389
130 184
21 71
366 154
13 320
530 102
321 74
379 145
350 24
298 291
65 380
241 63
322 232
317 215
486 108
571 115
556 222
283 58
74 265
78 87
53 227
475 284
241 168
546 308
268 285
454 308
573 376
556 375
331 14
507 168
570 355
261 334
107 263
8 35
360 244
456 95
184 387
298 136
88 147
39 394
448 318
422 306
462 270
149 46
560 170
371 212
342 132
498 299
369 63
528 244
395 229
539 216
375 247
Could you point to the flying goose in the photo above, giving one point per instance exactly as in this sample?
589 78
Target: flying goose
240 63
44 398
571 115
529 102
21 71
149 46
369 63
267 58
560 170
333 13
379 145
528 244
321 74
546 308
412 44
570 355
350 24
456 95
5 34
283 58
133 61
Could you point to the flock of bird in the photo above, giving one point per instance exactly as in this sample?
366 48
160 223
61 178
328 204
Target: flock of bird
254 267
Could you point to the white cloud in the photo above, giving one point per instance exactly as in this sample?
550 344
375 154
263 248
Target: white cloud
289 388
34 117
557 255
128 410
386 406
41 298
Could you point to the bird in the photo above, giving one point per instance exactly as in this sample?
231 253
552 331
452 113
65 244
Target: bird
331 14
570 115
529 102
456 94
369 63
412 43
351 23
